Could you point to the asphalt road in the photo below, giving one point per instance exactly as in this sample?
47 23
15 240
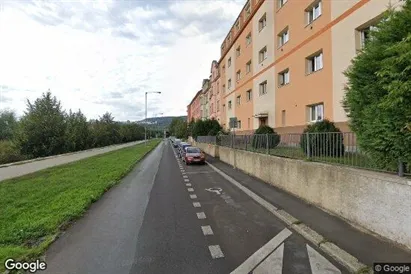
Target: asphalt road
12 171
166 217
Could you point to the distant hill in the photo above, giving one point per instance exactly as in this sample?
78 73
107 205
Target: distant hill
160 122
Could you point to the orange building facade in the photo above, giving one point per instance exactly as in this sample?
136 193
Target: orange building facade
282 62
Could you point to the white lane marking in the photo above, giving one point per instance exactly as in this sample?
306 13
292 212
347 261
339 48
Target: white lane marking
201 215
193 196
196 204
207 230
185 176
319 264
262 253
215 251
186 180
188 184
190 189
273 264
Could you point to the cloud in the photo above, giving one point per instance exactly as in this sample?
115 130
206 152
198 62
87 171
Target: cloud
104 55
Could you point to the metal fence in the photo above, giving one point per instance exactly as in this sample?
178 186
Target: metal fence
332 147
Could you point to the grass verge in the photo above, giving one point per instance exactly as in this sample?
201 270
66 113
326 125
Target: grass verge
34 208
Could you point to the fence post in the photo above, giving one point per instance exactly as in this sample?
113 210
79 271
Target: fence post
308 145
401 167
246 141
267 143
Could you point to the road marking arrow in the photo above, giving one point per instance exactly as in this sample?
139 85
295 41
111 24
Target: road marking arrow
273 264
319 264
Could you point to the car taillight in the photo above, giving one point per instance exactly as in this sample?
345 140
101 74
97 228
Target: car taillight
190 158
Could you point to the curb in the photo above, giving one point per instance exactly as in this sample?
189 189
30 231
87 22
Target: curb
338 254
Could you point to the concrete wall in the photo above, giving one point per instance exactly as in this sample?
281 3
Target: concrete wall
211 150
375 201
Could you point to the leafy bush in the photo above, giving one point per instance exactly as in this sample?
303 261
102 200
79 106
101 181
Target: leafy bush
325 139
9 153
259 139
378 97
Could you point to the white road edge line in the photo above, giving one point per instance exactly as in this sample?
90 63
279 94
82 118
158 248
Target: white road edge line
190 189
201 215
196 204
215 251
207 230
262 253
193 196
188 184
186 180
347 260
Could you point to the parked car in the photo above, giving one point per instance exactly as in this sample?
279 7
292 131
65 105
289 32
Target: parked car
182 148
194 155
176 143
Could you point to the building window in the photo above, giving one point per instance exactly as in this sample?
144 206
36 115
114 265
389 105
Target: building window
316 113
365 35
248 67
229 37
281 3
237 25
238 51
218 105
248 123
223 88
229 62
249 95
284 77
247 10
229 104
262 55
314 63
283 118
263 121
223 107
238 75
283 37
263 88
313 12
239 124
239 100
229 83
262 22
248 39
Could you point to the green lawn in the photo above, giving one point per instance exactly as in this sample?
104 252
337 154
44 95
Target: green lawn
35 207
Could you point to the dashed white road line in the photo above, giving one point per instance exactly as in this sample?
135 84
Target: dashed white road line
207 230
201 215
196 204
193 196
186 180
188 184
185 176
215 251
190 189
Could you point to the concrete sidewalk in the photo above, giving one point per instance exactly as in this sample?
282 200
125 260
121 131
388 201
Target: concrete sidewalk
18 169
367 248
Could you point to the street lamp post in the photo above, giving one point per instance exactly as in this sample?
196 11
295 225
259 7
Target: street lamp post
145 125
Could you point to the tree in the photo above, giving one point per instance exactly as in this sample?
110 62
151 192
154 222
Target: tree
378 93
8 123
77 135
42 129
105 131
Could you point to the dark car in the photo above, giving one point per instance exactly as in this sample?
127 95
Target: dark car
176 143
194 155
182 148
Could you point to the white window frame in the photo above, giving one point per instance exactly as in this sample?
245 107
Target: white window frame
262 54
238 100
281 3
262 88
248 67
229 62
284 78
229 83
248 39
316 113
247 10
249 95
283 37
262 23
238 75
313 12
238 51
230 104
363 32
239 124
315 63
237 25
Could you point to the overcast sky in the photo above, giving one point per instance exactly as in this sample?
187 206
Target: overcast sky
103 55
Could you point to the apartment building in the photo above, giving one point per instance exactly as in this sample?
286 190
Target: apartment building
282 62
194 108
